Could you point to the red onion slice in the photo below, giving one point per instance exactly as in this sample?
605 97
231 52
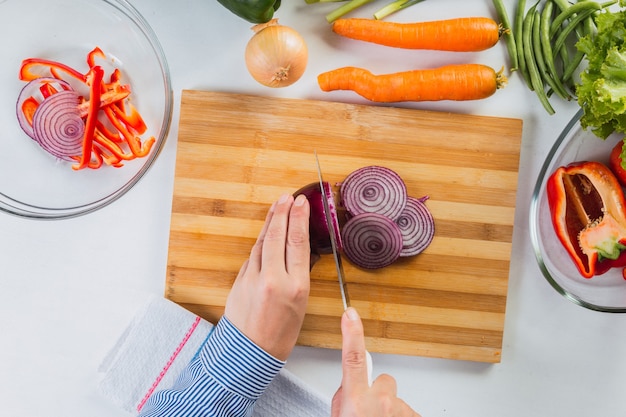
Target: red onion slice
319 233
32 89
417 226
374 189
58 127
371 240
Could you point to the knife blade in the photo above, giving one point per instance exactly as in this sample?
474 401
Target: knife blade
338 264
333 238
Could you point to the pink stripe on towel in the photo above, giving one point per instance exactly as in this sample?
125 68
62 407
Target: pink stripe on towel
169 363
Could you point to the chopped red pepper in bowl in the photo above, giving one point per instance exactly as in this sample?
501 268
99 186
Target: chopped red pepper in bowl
107 103
56 66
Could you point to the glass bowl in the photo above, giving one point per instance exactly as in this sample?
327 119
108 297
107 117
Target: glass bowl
606 292
33 183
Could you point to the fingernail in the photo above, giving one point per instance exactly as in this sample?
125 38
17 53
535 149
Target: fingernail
299 200
283 198
352 314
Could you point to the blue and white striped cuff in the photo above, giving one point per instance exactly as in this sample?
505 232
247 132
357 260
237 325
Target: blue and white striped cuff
237 363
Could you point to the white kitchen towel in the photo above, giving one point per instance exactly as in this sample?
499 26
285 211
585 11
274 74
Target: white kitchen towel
159 343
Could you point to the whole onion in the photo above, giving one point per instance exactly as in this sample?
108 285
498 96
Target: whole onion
374 189
371 240
276 55
57 125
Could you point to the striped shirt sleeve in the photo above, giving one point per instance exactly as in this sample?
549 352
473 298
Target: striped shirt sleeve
224 379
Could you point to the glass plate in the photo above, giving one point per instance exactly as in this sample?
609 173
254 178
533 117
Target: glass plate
33 183
607 292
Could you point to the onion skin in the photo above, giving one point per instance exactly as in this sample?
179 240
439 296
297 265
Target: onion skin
371 240
276 55
374 189
319 234
417 226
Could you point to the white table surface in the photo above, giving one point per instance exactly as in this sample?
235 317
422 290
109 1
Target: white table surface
65 298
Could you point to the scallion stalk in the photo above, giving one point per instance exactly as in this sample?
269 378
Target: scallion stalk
345 9
393 7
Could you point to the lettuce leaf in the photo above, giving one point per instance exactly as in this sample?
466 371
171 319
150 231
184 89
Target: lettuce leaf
602 89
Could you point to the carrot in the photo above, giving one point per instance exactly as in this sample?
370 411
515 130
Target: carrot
467 34
450 82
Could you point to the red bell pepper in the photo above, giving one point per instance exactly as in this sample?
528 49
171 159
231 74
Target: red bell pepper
33 68
94 80
95 53
110 94
29 106
588 213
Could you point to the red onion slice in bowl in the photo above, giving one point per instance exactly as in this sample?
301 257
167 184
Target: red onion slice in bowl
32 89
374 189
57 125
371 240
417 226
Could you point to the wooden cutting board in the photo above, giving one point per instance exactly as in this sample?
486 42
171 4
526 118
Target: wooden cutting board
238 153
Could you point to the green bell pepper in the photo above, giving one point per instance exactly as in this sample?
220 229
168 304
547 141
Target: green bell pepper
254 11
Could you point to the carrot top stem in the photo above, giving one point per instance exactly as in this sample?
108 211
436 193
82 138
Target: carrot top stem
501 79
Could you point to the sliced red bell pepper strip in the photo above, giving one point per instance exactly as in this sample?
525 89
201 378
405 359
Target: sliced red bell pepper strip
132 119
47 90
27 74
94 80
108 158
95 158
113 147
29 106
588 213
134 143
114 137
108 97
95 53
116 76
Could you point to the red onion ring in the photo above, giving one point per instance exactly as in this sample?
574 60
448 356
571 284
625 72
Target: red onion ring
57 125
371 240
374 189
31 89
417 226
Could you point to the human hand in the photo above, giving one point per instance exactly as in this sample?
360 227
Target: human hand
355 397
268 299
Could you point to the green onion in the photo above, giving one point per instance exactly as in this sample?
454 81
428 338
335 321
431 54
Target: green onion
345 9
394 7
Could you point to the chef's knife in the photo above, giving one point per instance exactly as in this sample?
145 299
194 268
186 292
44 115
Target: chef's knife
333 238
338 264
